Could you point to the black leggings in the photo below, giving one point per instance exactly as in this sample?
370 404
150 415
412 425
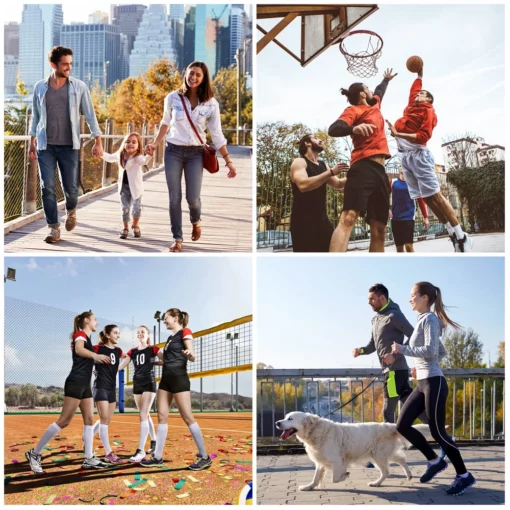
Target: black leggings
430 395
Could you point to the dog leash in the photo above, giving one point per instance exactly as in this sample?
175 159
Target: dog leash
356 396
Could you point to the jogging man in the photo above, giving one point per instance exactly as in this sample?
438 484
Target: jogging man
412 132
55 136
366 190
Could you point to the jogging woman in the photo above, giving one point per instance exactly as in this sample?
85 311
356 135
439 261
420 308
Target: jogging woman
77 394
431 392
144 387
175 385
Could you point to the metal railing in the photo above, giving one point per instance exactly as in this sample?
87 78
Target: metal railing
476 413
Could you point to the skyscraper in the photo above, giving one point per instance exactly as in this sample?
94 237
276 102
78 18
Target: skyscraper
189 36
237 24
11 39
128 19
153 42
177 11
39 32
96 52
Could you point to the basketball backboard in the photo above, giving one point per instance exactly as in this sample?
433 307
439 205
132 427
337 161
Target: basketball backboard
321 25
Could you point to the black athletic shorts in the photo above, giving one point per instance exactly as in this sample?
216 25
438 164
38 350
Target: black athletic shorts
175 383
101 395
403 232
402 386
77 390
367 191
142 388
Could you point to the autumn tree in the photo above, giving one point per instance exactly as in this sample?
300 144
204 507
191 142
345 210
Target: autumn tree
463 348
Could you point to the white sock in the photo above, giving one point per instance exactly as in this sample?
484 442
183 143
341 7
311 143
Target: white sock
198 438
50 433
449 228
160 440
88 439
458 232
152 432
435 461
96 427
144 432
103 434
465 475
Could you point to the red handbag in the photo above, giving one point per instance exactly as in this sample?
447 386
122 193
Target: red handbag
210 160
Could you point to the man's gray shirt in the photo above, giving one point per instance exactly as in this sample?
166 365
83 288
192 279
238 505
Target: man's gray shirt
58 124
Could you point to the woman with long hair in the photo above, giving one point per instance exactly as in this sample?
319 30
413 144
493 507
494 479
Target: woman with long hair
144 387
184 151
431 391
175 385
77 393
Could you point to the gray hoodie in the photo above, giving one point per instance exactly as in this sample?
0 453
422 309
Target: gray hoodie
389 325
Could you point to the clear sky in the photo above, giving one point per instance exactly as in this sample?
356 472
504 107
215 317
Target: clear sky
463 51
312 312
130 290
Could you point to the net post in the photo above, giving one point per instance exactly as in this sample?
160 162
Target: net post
121 390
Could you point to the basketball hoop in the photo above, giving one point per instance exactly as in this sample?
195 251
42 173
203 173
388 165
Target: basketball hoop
362 63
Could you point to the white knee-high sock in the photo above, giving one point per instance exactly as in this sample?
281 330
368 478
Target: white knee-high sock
160 440
96 427
103 434
198 438
449 228
144 432
458 232
152 432
88 439
50 433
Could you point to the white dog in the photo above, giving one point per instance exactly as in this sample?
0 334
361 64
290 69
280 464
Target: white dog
335 446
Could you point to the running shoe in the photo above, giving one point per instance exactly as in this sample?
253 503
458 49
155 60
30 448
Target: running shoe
200 463
433 470
460 484
138 456
465 244
152 449
111 458
455 245
35 461
94 463
151 462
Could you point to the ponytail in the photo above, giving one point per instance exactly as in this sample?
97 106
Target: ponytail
353 93
435 298
182 317
79 322
103 335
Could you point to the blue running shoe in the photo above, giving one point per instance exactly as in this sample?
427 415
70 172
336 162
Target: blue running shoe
460 484
433 470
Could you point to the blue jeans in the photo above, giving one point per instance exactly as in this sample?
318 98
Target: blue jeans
127 202
67 160
189 159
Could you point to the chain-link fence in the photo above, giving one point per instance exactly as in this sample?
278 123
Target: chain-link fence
37 353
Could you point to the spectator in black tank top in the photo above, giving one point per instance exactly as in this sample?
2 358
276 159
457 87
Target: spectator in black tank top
144 358
310 226
105 386
77 393
175 385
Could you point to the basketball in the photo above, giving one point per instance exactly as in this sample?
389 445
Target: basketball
414 64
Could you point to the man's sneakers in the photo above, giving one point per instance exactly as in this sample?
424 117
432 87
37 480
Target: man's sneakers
433 469
152 449
453 239
465 244
94 463
111 458
138 456
71 220
53 236
200 463
34 460
151 462
460 484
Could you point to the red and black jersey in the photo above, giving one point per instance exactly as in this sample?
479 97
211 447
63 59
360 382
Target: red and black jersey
106 373
81 372
173 359
143 361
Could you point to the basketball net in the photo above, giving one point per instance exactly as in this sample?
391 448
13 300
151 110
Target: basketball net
362 63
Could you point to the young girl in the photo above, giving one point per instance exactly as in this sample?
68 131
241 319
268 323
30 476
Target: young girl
175 384
77 393
130 159
184 151
105 385
144 387
432 391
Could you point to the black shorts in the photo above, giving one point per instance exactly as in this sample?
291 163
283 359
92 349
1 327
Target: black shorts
402 385
311 238
139 389
367 191
77 390
403 232
175 383
101 395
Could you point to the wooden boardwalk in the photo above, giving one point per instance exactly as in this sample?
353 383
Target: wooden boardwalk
226 219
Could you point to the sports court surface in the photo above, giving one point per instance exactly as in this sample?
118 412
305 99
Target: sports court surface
228 438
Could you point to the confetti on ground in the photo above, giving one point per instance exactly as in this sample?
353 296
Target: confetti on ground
49 501
107 496
151 483
83 500
185 495
193 479
180 484
136 484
